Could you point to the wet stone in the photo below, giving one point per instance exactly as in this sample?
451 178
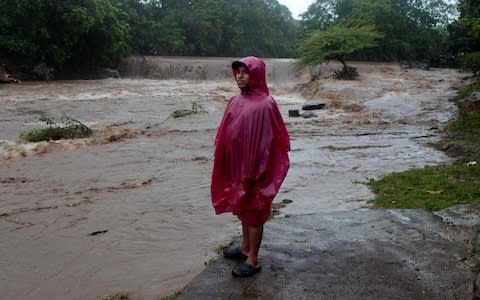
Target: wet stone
460 215
308 115
313 105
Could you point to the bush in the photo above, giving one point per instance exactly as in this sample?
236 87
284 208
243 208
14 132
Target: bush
67 129
471 62
43 71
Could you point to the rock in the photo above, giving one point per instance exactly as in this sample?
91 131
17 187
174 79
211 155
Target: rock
308 115
293 113
460 215
313 105
5 77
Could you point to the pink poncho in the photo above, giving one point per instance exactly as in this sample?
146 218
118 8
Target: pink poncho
251 151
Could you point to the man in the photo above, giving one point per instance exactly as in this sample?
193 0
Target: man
251 160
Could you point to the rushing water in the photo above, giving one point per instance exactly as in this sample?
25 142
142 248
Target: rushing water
141 184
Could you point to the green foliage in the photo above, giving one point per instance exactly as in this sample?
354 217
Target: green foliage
468 124
463 138
319 15
463 133
224 28
434 188
465 32
336 42
471 62
42 70
47 36
67 129
466 91
413 30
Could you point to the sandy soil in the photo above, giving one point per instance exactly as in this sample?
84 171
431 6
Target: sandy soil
129 209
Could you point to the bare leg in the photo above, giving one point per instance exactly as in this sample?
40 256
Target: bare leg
245 246
252 238
255 234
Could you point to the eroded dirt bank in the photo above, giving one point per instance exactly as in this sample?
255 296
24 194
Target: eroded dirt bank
141 184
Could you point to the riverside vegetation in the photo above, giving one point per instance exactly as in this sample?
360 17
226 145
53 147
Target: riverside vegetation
66 128
64 39
443 186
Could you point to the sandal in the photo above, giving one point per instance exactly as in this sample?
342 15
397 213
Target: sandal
234 253
245 270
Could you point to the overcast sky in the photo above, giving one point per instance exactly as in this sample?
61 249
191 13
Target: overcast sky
296 6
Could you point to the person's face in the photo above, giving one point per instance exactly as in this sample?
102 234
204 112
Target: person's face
242 78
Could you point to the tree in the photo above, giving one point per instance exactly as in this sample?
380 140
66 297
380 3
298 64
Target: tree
336 42
466 35
465 32
413 29
47 36
319 15
214 28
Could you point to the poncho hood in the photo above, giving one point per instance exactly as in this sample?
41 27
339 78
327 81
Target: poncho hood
256 72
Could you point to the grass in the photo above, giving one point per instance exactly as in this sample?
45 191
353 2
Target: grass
440 187
67 129
433 188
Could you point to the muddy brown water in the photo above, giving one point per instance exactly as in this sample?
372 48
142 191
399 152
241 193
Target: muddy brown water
129 209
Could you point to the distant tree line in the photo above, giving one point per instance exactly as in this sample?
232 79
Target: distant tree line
45 37
212 27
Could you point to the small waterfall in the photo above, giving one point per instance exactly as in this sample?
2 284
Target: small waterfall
200 68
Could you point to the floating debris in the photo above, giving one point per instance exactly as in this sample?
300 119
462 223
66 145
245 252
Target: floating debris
98 232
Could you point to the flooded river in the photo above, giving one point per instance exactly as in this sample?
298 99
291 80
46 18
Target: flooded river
129 208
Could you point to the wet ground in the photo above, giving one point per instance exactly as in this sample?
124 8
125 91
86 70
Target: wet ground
348 255
129 209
